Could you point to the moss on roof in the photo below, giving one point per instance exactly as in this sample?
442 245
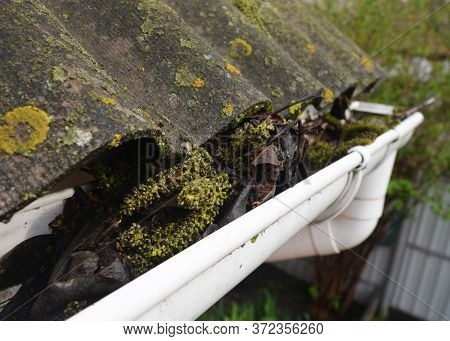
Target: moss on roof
177 71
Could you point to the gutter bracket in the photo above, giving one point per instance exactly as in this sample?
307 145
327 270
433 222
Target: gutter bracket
365 155
342 202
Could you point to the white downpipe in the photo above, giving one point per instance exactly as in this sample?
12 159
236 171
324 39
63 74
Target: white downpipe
187 284
350 227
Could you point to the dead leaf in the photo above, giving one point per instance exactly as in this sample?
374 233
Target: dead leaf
268 155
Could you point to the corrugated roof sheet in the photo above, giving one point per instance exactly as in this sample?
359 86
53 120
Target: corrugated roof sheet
178 71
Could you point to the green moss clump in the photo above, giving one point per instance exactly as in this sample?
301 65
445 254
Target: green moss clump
361 132
244 144
296 110
29 196
198 164
203 190
203 197
252 134
342 148
115 178
364 127
320 153
335 122
34 123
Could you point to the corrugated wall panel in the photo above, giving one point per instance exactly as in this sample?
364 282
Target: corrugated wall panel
421 267
418 267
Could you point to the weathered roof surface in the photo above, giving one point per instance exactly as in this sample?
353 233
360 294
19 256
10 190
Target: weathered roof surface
78 74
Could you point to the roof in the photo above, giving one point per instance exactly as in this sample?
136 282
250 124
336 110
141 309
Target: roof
77 76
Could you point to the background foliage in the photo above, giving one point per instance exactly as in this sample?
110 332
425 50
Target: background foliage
422 166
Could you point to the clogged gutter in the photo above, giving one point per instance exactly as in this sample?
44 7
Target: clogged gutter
107 236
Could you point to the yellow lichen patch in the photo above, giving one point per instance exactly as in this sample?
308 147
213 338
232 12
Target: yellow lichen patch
310 48
116 141
109 101
368 64
328 95
240 48
198 83
141 68
23 129
228 110
231 68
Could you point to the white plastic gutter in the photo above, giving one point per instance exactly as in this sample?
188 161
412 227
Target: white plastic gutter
186 285
334 209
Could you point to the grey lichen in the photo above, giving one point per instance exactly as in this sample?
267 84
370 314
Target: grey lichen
59 74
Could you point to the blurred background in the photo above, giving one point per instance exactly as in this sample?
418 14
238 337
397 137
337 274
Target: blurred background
402 272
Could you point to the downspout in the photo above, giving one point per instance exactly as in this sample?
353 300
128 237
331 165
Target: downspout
351 226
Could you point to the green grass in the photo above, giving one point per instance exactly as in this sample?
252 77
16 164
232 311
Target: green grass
266 295
261 308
